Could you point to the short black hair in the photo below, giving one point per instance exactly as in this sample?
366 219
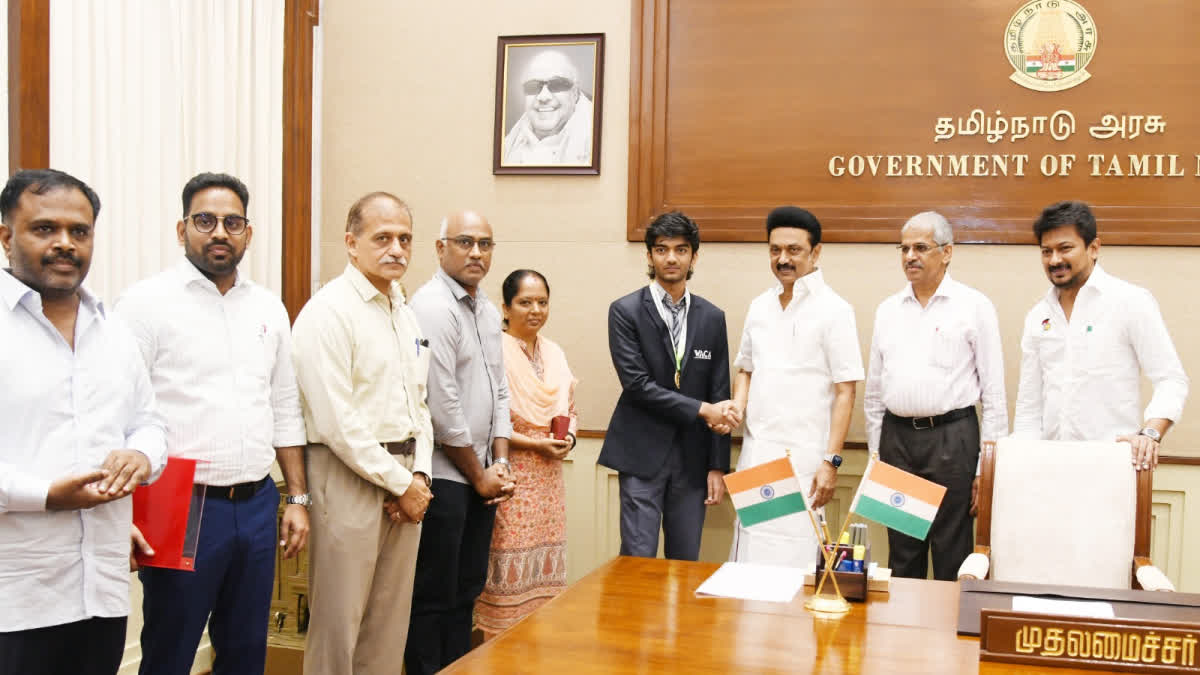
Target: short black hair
1062 214
794 216
673 224
512 283
204 181
354 219
39 182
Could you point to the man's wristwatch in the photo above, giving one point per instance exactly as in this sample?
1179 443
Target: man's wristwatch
504 461
303 500
1151 433
425 478
835 460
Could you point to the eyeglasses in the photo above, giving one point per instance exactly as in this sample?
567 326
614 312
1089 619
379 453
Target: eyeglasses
207 222
556 85
919 249
465 243
792 251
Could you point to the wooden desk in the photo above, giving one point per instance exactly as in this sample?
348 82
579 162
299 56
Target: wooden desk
640 615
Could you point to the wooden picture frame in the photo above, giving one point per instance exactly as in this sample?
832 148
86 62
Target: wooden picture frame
553 128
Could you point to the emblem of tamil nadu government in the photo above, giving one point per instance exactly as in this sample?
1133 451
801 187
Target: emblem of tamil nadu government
1049 43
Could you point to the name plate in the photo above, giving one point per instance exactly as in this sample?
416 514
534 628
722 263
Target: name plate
1125 645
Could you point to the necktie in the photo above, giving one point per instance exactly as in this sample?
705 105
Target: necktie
676 310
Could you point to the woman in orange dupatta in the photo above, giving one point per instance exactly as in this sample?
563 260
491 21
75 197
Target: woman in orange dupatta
528 561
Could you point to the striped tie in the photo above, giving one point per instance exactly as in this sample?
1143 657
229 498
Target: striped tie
676 311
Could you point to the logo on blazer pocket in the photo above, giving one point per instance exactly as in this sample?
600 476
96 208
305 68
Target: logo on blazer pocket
702 354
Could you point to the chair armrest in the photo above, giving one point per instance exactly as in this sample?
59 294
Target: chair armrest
975 566
1149 577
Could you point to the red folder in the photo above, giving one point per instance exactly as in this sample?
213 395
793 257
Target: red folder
168 513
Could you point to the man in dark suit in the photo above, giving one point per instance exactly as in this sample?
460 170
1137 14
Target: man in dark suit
668 435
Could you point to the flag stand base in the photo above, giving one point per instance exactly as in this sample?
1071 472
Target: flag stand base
827 607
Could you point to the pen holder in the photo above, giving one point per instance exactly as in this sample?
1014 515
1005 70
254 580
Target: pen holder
851 578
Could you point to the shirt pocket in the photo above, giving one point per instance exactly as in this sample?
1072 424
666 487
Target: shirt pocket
255 350
1051 348
952 343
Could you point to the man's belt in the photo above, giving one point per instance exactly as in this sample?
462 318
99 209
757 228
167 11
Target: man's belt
236 493
402 448
921 423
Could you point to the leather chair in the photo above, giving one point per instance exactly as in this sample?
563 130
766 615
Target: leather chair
1063 513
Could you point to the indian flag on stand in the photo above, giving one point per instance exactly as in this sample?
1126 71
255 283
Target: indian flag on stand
765 492
897 499
1035 63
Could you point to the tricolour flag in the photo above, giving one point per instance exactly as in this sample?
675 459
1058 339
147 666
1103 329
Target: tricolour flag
766 492
897 499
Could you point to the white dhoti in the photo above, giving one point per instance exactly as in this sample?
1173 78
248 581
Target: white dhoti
790 540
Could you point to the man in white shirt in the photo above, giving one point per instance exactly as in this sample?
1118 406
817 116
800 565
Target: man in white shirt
78 433
362 364
1086 343
798 366
935 352
218 349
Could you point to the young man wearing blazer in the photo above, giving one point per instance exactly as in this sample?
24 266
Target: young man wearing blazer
668 437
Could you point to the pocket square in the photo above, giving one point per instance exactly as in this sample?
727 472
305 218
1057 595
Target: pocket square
702 354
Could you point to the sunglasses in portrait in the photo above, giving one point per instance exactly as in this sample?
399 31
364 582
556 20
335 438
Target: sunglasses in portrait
465 243
207 222
556 85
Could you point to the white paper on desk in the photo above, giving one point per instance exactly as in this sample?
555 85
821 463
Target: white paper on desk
1090 609
750 581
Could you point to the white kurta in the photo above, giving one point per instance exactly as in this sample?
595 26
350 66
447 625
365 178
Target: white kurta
795 355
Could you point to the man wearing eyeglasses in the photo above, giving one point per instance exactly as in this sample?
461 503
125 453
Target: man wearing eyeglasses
798 368
935 353
556 127
218 348
468 399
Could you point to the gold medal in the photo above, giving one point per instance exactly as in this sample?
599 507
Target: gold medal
676 379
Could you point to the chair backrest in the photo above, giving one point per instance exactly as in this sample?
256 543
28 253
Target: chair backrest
1063 513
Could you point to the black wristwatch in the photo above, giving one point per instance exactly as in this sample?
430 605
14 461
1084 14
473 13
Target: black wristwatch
835 460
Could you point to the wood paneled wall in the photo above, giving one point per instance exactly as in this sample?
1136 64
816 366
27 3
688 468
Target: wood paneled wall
737 107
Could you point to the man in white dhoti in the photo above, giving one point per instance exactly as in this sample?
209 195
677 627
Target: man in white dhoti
798 366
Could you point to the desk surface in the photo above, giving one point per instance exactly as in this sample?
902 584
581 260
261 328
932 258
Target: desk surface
641 615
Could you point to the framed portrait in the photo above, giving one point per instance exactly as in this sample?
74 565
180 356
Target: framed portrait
549 93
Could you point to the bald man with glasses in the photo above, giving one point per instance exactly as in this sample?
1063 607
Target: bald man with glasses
935 353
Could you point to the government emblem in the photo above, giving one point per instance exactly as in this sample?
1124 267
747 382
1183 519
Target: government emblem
1049 43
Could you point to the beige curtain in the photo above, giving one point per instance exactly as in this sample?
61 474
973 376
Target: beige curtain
146 93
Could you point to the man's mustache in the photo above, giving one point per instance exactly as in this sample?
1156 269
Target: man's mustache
62 257
1061 267
785 267
393 259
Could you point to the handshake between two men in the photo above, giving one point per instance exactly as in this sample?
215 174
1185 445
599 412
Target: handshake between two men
722 417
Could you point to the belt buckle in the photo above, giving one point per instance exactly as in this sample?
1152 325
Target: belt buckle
918 427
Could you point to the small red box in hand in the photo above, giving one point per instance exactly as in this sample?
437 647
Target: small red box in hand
559 426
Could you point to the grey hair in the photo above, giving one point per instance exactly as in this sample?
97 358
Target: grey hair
943 234
443 228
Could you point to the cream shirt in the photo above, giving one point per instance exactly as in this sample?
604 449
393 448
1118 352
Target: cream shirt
362 370
1080 378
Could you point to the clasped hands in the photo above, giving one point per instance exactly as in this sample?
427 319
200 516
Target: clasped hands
409 507
722 417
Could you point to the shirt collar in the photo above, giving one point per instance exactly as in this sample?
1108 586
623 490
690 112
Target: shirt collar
366 290
455 287
13 291
192 275
659 293
946 289
809 284
1098 282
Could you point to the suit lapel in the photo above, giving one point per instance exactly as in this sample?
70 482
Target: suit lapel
664 334
691 332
